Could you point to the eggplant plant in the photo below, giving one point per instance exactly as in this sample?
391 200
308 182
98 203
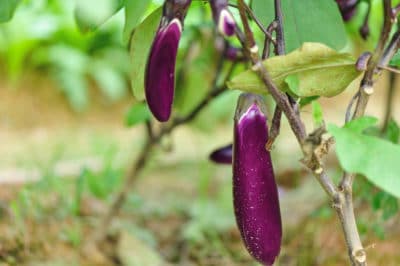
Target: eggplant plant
287 53
292 53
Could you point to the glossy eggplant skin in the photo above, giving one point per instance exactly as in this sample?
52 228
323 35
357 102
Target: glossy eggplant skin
222 155
255 193
160 69
234 54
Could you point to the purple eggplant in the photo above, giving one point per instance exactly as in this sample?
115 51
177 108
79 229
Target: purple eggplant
230 52
255 192
160 69
222 17
234 54
222 155
347 8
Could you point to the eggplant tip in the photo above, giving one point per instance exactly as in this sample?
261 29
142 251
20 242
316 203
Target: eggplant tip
226 23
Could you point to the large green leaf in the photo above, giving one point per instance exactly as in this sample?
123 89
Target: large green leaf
139 50
137 114
110 81
134 10
90 14
317 69
75 87
306 21
371 156
7 8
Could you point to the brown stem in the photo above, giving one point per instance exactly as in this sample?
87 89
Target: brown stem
279 50
275 127
119 200
280 36
366 88
345 210
140 163
151 141
280 98
390 50
267 33
285 105
250 42
267 42
344 203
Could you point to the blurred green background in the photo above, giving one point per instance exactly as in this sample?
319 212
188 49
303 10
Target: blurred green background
68 135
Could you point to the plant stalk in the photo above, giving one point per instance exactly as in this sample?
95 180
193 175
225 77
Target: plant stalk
152 140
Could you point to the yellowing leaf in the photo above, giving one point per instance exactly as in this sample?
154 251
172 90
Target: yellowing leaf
320 70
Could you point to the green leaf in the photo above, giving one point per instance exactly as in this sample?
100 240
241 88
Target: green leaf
379 230
90 14
111 82
134 11
75 87
390 207
306 21
375 158
140 48
307 100
103 184
293 83
320 70
317 114
395 61
392 132
138 113
359 125
7 9
65 57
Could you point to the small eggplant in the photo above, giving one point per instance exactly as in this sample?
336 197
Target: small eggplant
230 52
160 69
222 17
222 155
234 54
347 8
255 193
